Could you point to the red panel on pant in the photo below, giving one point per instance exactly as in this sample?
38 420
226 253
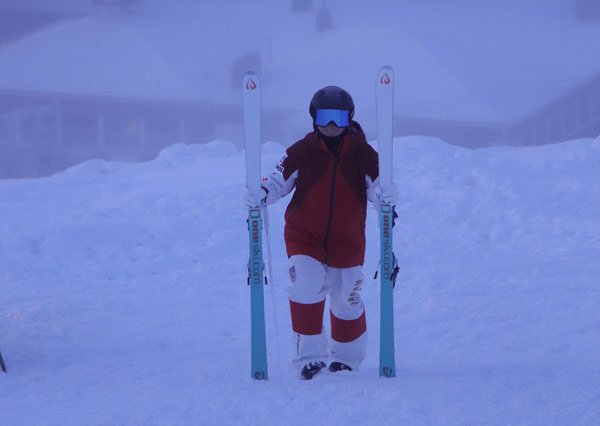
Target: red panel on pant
347 330
307 319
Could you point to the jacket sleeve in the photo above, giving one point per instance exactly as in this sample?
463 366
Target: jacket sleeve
281 181
373 192
371 165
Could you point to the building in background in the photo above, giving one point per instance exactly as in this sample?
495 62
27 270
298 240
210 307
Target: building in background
77 87
122 79
573 114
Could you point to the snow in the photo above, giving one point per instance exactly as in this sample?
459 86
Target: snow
124 297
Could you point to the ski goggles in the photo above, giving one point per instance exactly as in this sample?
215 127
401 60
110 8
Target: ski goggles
340 117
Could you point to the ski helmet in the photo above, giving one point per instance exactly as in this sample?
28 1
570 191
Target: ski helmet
331 97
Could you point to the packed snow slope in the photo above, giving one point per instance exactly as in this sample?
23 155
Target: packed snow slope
124 297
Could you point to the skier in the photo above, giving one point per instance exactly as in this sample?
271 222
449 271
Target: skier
334 172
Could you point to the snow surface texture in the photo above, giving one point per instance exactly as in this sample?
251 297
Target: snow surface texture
124 297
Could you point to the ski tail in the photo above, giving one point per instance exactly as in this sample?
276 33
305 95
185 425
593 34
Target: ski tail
252 124
385 112
251 99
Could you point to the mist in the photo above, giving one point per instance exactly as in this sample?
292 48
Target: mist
123 79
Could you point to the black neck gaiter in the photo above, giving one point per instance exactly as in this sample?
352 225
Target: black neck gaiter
333 143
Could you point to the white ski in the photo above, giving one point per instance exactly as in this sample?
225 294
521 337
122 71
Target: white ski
385 112
252 123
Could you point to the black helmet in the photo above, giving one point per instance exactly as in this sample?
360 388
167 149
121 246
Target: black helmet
331 97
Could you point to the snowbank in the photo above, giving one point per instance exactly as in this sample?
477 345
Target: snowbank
124 300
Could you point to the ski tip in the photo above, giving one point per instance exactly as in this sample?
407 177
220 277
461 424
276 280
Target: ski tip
250 81
385 76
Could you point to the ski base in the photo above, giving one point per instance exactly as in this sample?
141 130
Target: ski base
257 305
387 363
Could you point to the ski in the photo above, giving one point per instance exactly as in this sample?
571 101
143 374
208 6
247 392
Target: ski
2 365
252 122
385 110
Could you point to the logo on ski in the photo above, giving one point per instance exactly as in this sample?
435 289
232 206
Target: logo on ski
385 79
250 85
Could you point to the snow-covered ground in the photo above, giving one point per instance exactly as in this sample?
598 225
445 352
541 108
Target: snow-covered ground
124 300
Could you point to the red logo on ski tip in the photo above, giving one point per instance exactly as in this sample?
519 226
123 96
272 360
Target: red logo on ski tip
250 85
385 79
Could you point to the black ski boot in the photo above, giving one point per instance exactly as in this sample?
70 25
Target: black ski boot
335 366
311 369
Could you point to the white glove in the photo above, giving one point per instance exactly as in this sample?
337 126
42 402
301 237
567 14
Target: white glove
252 201
390 195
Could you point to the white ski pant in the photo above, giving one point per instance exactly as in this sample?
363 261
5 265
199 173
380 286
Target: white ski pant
310 282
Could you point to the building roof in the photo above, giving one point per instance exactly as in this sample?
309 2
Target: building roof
484 61
90 56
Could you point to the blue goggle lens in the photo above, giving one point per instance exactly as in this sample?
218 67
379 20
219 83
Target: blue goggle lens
340 117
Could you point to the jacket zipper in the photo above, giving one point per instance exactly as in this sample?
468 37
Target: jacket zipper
330 216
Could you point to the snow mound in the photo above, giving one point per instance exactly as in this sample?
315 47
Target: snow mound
124 296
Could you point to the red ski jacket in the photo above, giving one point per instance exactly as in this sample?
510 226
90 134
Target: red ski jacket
326 216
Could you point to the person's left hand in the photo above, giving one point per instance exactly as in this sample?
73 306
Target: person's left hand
390 195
